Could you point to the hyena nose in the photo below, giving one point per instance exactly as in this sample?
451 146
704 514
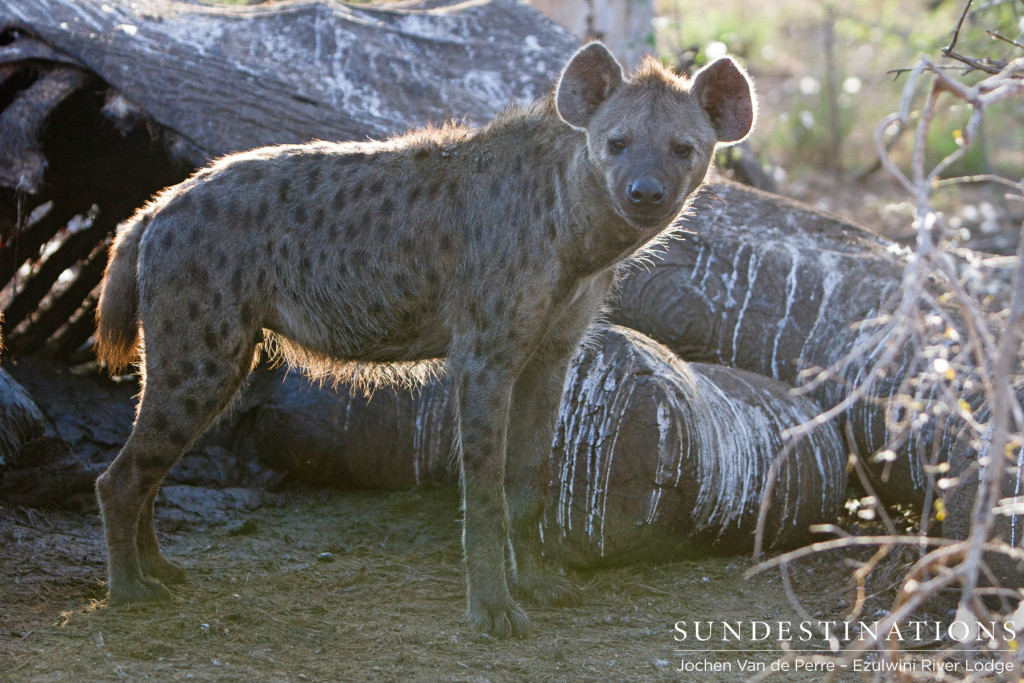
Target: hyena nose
645 190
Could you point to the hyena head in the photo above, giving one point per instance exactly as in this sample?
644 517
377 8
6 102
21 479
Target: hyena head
652 136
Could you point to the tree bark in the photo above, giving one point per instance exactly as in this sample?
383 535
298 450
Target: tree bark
773 287
652 457
229 77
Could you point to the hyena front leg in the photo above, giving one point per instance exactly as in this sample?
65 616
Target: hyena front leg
484 395
536 400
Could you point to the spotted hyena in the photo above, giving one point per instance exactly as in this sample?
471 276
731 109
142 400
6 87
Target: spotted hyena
492 248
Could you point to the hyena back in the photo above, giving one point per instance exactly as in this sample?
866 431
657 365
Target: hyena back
493 248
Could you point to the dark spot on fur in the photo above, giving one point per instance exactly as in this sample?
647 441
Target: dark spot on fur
245 314
357 191
495 189
338 203
193 310
312 177
401 282
318 221
517 165
187 368
236 283
167 241
452 188
211 368
177 437
552 231
407 246
210 337
387 207
421 153
414 193
191 406
264 208
216 299
282 191
209 207
446 242
159 421
435 189
222 260
549 196
304 265
377 187
299 214
284 250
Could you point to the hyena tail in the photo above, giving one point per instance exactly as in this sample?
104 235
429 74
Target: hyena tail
117 316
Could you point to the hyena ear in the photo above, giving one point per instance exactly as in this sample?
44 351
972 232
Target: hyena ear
726 94
590 77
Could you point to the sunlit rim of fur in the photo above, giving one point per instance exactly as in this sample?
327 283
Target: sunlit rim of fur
364 377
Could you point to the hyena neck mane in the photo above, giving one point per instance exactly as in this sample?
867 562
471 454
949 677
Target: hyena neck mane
544 163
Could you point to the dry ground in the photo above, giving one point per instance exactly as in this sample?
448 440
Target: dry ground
263 604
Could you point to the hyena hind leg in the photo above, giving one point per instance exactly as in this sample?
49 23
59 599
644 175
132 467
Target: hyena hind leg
151 560
180 399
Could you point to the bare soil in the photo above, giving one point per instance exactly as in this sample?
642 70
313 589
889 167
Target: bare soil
264 603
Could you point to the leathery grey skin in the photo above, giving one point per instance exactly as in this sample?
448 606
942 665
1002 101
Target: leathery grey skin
493 248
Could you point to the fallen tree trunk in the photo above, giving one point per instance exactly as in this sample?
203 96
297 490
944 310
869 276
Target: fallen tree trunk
25 434
231 77
652 457
770 286
967 462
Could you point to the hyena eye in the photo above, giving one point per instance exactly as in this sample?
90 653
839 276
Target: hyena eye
616 145
682 150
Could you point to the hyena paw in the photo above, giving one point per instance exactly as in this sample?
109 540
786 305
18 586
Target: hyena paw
543 588
504 621
163 569
134 591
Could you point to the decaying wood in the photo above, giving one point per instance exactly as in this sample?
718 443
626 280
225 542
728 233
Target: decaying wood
24 431
652 457
22 162
776 288
231 77
392 440
85 422
966 467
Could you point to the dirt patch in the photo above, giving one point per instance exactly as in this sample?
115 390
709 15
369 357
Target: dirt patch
319 586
